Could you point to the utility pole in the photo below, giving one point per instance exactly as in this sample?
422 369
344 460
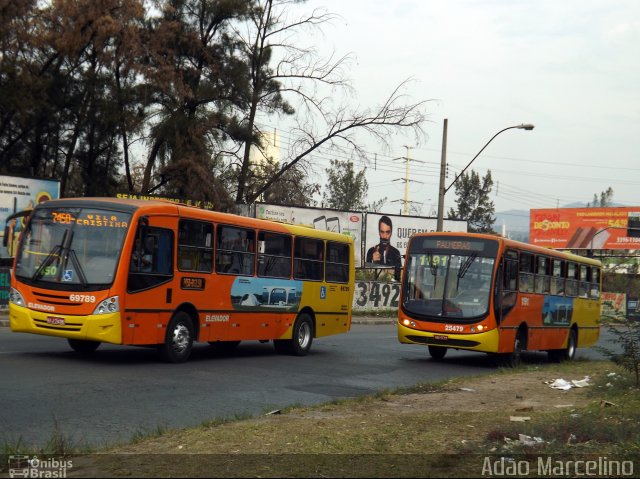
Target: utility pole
406 180
443 165
443 169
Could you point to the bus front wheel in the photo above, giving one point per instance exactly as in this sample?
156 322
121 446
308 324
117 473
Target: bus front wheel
83 347
178 340
567 354
437 352
513 359
301 340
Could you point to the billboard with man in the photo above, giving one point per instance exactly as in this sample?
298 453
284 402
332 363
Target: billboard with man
387 236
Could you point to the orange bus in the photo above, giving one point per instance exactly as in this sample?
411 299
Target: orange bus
136 272
487 293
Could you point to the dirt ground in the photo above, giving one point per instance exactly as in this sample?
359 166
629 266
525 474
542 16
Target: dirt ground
437 421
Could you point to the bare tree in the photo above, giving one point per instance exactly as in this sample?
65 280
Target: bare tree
341 126
299 73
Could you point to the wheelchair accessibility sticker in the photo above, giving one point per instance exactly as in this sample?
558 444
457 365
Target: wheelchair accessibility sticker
323 292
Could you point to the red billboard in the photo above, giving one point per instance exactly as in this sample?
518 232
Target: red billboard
586 228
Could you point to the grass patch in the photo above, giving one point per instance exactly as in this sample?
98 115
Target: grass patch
440 429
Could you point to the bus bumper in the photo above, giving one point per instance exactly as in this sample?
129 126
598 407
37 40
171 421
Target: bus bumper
487 342
104 328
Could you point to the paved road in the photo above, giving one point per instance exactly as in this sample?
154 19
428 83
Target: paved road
121 391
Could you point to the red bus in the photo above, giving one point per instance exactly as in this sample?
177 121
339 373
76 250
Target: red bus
135 272
487 293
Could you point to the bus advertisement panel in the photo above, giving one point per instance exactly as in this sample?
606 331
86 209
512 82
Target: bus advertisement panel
387 236
140 272
586 228
344 222
490 294
19 194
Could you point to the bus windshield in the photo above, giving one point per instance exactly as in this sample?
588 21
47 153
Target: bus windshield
72 247
447 284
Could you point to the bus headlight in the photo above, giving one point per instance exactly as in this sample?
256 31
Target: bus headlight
108 306
15 297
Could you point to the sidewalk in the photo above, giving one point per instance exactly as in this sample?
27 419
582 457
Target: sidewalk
4 319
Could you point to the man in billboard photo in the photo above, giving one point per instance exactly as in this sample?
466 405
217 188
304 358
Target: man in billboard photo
383 253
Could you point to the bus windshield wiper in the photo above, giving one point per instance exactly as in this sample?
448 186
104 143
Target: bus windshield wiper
56 250
78 267
466 265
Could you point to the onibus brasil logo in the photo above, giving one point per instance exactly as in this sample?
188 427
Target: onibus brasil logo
24 466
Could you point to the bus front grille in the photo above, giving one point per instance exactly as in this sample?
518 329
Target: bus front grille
463 343
43 324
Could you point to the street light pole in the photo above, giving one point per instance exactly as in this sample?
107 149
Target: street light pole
443 190
443 168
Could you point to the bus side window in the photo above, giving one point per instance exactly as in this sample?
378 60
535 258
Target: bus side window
585 272
543 280
557 281
594 290
157 246
274 255
337 262
572 279
308 257
235 252
195 246
510 286
526 273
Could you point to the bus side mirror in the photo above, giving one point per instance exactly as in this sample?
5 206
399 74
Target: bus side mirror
5 238
397 273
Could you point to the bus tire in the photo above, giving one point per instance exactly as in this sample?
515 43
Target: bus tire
178 339
83 347
513 359
567 354
300 343
437 352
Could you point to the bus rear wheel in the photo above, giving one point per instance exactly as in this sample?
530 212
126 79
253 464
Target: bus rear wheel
437 352
567 354
302 337
82 346
178 340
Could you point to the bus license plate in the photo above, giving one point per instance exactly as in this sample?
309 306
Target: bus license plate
441 337
55 320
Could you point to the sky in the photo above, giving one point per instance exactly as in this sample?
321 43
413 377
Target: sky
570 67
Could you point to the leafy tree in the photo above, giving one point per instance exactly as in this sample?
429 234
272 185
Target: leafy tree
345 189
473 203
83 81
603 201
292 189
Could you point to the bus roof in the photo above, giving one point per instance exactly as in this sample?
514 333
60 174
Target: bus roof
520 245
143 207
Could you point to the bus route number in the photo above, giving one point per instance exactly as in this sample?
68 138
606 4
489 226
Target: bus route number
82 298
378 294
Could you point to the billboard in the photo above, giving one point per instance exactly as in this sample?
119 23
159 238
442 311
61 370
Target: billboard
586 228
387 236
345 222
18 194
